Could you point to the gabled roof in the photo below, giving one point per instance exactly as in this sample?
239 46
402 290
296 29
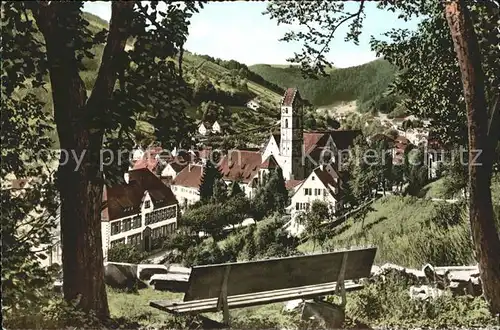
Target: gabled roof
291 184
277 138
177 166
270 162
327 175
240 165
315 141
190 176
149 159
125 199
290 96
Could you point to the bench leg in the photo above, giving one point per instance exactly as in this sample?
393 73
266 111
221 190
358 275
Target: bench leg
340 281
222 301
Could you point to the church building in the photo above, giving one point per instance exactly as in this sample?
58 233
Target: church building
297 152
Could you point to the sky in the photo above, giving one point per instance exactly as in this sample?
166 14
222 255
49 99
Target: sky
238 30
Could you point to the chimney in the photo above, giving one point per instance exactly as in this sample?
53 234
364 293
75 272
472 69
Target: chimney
125 176
321 167
189 167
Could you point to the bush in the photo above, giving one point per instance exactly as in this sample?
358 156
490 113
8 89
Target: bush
126 253
387 303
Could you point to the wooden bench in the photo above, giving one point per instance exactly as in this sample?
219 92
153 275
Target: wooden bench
213 288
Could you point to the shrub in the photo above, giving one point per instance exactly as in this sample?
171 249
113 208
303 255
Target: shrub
387 303
126 253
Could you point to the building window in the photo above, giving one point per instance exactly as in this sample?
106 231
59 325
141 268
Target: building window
317 192
134 240
286 123
127 224
136 222
148 219
116 227
297 206
308 191
147 204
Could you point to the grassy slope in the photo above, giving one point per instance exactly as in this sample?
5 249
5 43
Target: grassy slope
349 84
213 70
397 227
243 119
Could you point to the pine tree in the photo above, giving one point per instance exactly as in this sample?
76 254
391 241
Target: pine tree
219 191
235 189
211 175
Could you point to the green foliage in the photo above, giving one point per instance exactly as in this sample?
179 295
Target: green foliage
430 78
404 235
28 216
362 83
235 189
126 253
206 253
212 217
312 220
212 111
386 303
272 197
211 176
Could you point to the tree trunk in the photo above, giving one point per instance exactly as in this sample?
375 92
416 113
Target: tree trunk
484 231
79 177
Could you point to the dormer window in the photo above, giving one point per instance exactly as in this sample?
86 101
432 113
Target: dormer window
147 205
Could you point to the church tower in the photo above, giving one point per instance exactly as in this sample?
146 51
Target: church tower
292 140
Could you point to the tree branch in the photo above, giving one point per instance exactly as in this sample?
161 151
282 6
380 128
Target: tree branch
336 26
115 46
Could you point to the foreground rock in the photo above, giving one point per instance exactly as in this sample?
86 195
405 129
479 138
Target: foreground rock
430 282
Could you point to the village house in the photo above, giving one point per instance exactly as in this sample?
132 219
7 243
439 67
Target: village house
324 184
139 213
253 104
248 168
186 184
206 128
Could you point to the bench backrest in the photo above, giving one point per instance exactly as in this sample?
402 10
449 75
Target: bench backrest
275 274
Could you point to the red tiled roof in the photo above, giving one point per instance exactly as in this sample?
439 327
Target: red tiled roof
270 162
311 140
290 184
190 176
289 97
343 139
148 160
125 199
240 165
327 176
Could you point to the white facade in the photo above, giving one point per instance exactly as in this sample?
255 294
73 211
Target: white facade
137 154
253 104
202 129
132 228
185 195
272 149
169 171
313 188
216 128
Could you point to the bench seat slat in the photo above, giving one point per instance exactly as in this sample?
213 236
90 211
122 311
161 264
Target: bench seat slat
248 300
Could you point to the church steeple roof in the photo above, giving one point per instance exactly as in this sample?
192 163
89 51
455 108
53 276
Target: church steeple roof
289 96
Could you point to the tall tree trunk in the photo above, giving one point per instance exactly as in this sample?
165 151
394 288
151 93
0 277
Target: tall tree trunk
484 231
80 179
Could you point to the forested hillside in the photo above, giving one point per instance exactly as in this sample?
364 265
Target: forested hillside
363 83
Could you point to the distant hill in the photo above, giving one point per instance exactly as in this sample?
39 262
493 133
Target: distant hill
362 83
